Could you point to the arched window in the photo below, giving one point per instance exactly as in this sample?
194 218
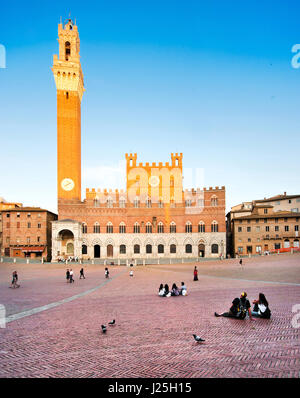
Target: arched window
214 248
201 227
96 228
136 202
148 249
160 204
160 249
160 228
122 249
122 228
122 203
172 227
286 243
109 203
188 203
188 248
84 249
84 228
136 228
214 201
136 249
188 227
148 228
148 203
214 226
109 228
200 203
172 248
67 50
96 202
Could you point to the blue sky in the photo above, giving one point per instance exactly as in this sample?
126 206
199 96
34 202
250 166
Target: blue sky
211 79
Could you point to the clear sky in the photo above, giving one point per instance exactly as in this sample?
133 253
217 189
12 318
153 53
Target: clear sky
212 79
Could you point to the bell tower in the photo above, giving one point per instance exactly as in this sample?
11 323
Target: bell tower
69 85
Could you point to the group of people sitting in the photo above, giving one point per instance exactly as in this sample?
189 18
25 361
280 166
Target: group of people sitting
164 290
241 306
68 259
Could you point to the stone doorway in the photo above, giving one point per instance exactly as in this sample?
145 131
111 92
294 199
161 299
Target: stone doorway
96 251
110 251
201 250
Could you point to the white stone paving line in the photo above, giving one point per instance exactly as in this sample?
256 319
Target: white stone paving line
46 307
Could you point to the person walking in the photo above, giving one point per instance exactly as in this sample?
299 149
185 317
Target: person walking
131 270
195 274
68 275
106 272
82 274
71 276
241 262
14 283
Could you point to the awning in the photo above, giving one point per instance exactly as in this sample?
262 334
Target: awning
35 249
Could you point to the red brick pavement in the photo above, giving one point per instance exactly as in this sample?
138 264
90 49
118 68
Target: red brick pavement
153 335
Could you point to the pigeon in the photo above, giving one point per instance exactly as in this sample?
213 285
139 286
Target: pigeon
103 328
198 338
112 322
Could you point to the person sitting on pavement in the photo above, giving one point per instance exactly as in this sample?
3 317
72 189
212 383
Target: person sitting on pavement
161 290
167 292
175 290
183 290
261 307
238 310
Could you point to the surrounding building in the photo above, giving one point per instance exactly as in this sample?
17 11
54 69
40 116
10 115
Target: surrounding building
266 225
153 218
27 232
5 206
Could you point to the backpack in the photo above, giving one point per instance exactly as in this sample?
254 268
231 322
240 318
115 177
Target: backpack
241 310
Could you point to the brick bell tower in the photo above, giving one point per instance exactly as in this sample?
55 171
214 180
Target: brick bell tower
69 84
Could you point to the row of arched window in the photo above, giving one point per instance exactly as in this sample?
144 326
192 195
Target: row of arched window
160 249
160 228
148 202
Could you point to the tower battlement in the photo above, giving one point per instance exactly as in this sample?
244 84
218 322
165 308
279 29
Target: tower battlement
131 161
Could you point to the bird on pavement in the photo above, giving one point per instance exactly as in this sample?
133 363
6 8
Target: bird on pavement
198 338
103 328
112 322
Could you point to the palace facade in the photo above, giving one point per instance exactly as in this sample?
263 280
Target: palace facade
265 225
154 217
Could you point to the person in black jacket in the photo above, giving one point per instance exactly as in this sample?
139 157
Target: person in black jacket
240 307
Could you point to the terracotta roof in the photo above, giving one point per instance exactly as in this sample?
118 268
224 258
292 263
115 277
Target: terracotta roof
66 220
277 197
262 206
280 214
27 209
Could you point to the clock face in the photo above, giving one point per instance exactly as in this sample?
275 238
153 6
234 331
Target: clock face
67 184
154 181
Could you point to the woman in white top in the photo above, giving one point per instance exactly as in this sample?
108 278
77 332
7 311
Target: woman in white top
261 307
